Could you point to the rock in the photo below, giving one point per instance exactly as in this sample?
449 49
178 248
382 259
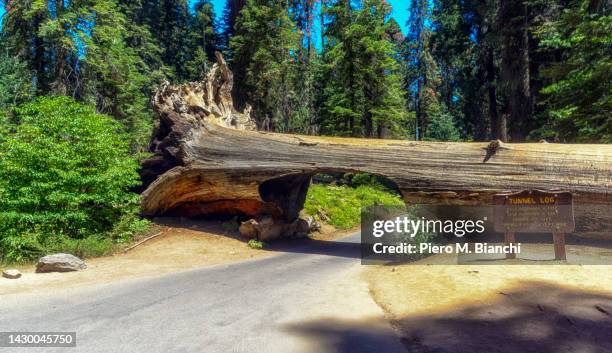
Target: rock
248 229
11 274
313 225
267 228
60 263
322 216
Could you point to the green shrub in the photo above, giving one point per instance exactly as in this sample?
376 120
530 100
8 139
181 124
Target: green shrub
65 175
342 204
255 244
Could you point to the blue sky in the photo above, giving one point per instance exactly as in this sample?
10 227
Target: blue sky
400 10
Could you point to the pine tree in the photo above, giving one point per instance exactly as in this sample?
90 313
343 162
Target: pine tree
363 94
578 93
173 36
79 49
114 76
340 105
304 119
15 81
141 17
231 12
422 77
23 33
262 49
203 40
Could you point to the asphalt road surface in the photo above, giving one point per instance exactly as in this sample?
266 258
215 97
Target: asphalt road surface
308 299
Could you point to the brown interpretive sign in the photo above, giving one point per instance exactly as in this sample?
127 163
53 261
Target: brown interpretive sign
535 211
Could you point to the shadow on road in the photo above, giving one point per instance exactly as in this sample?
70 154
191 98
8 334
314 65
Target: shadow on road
347 247
348 337
534 317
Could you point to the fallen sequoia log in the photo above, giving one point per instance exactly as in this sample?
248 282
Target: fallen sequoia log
208 158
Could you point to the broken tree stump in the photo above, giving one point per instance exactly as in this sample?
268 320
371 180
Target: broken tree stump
208 158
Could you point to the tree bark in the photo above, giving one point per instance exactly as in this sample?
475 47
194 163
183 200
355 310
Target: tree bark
515 67
209 159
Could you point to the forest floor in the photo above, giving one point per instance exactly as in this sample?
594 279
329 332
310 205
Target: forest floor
496 308
184 244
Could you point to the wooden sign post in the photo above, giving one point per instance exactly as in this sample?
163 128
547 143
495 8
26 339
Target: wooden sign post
535 211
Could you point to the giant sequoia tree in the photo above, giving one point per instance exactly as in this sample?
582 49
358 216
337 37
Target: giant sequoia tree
513 24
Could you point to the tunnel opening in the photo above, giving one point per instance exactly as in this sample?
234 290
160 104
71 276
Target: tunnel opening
287 192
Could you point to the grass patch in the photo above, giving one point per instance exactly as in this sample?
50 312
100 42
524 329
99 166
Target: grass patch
342 204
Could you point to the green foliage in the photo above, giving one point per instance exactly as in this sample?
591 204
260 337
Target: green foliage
342 204
128 226
15 81
578 96
442 128
115 76
261 47
363 94
78 49
255 244
65 175
202 41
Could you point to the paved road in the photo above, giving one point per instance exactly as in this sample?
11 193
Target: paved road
308 299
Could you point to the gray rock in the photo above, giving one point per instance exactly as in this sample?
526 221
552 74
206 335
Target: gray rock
313 225
267 229
60 263
11 274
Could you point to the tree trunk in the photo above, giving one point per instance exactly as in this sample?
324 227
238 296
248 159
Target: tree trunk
209 159
497 126
515 66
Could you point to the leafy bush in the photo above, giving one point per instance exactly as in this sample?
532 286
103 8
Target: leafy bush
65 175
255 244
342 204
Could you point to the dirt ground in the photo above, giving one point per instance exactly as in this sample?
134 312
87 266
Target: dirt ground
184 244
497 308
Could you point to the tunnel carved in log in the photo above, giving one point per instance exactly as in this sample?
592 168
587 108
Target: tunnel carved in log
209 158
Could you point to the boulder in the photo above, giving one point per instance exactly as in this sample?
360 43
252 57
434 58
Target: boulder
11 274
248 229
268 229
60 263
313 224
